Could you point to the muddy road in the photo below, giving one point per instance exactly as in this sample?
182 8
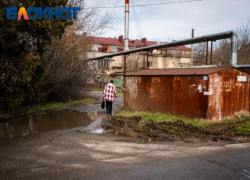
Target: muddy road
75 143
179 131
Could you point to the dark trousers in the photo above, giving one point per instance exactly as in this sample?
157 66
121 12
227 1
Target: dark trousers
109 107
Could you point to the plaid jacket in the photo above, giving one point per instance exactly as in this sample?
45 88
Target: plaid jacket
109 92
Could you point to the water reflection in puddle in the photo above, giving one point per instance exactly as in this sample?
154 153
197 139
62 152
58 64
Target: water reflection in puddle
61 120
55 120
96 128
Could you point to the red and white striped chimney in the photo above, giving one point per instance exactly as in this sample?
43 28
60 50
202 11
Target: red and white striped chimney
126 35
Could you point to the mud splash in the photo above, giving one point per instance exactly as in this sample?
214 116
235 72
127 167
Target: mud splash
99 127
179 131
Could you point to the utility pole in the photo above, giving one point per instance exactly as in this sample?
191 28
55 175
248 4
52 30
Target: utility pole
124 69
211 55
143 67
126 38
192 49
124 73
207 52
147 59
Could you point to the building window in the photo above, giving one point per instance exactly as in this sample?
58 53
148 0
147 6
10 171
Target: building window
113 49
183 52
95 47
102 64
188 52
173 51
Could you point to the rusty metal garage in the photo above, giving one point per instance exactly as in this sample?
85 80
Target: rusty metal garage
213 93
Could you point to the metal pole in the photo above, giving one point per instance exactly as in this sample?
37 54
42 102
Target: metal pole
192 50
108 72
124 79
126 38
207 53
147 59
143 61
234 50
125 59
211 55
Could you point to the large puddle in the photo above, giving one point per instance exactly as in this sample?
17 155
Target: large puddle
55 120
91 122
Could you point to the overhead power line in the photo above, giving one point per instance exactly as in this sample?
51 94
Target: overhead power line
178 34
140 5
154 39
115 6
201 32
137 22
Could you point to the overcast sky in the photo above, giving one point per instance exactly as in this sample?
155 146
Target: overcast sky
175 21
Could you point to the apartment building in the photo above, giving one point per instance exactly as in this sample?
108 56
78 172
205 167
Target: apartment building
157 59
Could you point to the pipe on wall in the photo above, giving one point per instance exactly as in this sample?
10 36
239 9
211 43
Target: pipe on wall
195 40
211 37
234 61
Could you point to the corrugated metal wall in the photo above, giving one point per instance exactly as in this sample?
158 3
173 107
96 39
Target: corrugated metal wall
217 96
178 95
229 94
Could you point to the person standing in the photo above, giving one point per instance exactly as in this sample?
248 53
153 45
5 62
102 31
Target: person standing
109 93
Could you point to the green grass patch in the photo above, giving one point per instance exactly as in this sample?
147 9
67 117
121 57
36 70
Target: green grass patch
51 106
237 119
245 128
119 91
159 117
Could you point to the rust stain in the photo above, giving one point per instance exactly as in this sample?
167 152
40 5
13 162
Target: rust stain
177 95
216 96
230 96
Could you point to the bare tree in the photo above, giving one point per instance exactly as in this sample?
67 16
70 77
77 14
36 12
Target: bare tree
221 54
200 54
66 70
222 48
243 33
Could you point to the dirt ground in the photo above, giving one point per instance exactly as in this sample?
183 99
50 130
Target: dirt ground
179 131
